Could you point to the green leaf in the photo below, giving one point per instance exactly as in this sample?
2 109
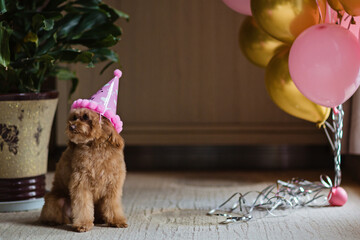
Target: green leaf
46 58
74 84
37 22
73 56
90 65
88 3
121 14
68 23
43 71
85 10
5 34
31 37
87 22
101 31
46 46
84 57
18 36
37 36
27 83
55 15
2 7
19 5
65 74
65 55
109 41
54 4
114 13
30 87
102 54
47 35
48 24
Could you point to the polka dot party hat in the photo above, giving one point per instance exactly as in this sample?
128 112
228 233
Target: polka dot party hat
104 101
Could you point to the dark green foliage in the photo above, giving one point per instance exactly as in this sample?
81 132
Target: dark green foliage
36 36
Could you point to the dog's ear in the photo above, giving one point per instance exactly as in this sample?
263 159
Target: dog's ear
112 135
116 140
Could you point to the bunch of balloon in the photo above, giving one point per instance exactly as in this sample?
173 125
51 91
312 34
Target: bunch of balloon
285 20
324 63
271 27
274 25
311 52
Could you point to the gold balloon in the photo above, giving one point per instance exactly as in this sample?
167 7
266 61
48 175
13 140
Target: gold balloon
286 96
258 46
336 5
286 19
352 7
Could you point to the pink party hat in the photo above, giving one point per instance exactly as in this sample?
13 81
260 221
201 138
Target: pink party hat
104 101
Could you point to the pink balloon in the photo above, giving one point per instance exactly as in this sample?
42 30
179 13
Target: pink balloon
324 63
354 28
240 6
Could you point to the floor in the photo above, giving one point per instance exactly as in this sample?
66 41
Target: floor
173 205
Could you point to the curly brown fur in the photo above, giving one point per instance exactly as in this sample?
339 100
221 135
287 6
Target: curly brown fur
89 176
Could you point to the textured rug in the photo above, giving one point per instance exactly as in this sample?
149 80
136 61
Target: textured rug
174 206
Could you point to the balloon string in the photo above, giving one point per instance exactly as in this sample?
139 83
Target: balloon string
339 17
328 13
349 25
329 126
273 199
338 121
326 183
347 17
321 16
328 137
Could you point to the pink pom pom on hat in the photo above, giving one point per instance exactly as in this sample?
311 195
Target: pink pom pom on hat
104 101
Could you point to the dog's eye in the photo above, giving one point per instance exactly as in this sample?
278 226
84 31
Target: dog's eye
74 118
85 117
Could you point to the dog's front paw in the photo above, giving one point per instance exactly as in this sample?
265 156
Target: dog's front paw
119 223
83 227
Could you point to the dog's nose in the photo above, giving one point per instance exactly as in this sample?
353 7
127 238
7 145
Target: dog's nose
72 127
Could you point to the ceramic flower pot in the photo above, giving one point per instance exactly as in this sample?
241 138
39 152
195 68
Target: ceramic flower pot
25 126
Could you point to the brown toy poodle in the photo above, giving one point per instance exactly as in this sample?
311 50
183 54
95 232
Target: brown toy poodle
90 175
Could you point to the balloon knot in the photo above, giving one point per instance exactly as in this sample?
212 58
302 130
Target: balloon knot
320 125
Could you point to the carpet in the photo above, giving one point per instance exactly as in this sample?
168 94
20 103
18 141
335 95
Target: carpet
173 205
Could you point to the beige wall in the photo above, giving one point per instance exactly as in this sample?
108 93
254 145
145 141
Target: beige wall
185 80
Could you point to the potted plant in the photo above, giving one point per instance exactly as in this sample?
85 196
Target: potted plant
37 39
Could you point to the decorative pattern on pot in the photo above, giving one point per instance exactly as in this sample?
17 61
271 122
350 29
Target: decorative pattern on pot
25 128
